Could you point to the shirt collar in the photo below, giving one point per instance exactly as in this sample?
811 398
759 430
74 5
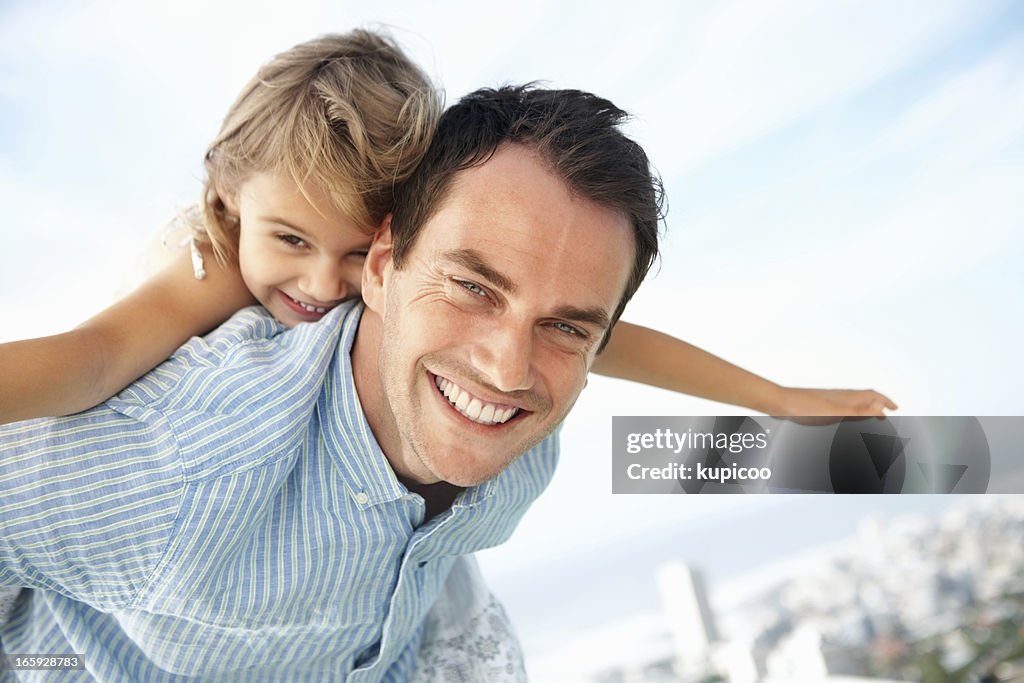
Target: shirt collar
345 431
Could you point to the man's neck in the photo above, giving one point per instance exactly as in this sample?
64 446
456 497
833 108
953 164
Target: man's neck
366 377
438 496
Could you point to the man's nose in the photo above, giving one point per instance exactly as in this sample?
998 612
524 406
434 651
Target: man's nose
325 282
504 355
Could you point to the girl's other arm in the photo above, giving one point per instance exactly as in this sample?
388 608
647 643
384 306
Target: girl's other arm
69 372
644 355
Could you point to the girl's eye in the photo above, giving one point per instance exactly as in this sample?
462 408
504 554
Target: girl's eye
292 240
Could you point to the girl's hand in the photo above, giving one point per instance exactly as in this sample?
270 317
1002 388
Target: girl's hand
835 402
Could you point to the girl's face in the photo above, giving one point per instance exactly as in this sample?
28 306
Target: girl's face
298 259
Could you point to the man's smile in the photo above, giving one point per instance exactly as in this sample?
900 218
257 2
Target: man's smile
474 408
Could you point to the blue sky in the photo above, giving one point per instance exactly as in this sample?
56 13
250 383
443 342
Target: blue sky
844 183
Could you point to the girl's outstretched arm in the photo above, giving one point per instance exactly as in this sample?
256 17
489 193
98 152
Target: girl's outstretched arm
69 372
644 355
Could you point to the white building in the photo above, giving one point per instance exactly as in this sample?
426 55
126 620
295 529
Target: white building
688 612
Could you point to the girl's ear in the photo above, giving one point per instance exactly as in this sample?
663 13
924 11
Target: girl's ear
230 199
377 268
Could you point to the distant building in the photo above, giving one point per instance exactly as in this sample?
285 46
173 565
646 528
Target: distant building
737 662
805 656
688 613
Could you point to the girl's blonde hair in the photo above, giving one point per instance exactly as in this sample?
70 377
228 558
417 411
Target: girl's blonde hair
347 114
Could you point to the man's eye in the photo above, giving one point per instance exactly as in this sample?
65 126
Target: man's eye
292 240
473 288
568 329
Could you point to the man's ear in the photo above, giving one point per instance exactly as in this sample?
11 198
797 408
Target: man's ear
377 268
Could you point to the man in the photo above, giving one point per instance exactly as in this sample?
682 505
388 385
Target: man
273 505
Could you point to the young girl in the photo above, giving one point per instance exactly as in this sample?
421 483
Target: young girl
298 179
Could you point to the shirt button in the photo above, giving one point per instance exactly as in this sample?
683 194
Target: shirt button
362 498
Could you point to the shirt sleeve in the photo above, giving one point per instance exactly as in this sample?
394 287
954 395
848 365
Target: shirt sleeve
87 503
242 396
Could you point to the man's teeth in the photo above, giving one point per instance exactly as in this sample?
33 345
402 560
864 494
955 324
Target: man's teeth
472 407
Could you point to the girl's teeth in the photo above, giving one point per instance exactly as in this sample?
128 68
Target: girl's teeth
308 307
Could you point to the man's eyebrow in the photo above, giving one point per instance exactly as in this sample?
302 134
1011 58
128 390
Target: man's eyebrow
591 316
471 259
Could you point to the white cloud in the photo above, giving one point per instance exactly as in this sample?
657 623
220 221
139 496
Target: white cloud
62 262
762 65
933 197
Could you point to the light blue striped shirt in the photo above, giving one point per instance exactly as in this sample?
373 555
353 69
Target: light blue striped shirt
230 517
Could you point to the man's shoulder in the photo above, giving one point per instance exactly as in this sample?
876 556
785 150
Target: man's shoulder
250 327
247 389
253 342
243 365
253 323
529 474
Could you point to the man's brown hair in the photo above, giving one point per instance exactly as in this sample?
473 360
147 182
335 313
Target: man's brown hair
576 132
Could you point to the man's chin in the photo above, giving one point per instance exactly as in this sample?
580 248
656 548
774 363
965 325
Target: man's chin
466 454
469 474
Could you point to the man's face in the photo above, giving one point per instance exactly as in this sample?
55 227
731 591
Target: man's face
489 328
